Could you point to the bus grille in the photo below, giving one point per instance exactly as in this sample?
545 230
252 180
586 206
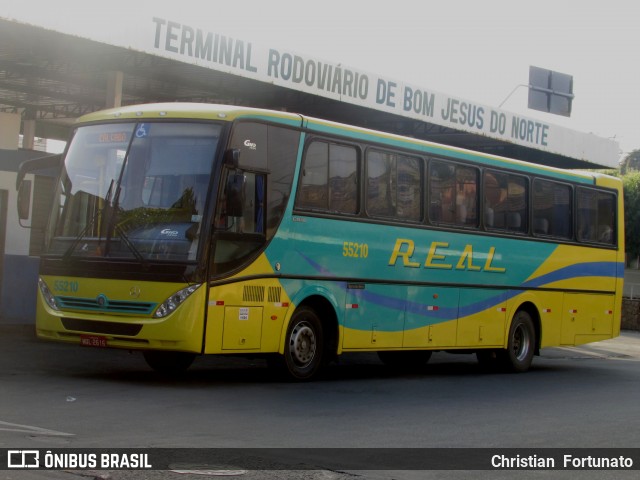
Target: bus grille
274 294
102 304
253 294
106 328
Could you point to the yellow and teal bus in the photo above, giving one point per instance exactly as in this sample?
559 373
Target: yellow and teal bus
189 229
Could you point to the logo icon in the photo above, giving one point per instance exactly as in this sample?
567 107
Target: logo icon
169 233
23 459
102 301
142 131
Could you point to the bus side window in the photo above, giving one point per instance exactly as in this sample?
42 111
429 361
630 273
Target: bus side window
282 156
495 200
394 185
270 152
315 170
542 205
441 194
607 218
552 209
329 179
454 188
505 202
596 216
343 186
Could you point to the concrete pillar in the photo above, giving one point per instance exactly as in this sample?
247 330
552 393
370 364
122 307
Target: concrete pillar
9 131
28 134
114 89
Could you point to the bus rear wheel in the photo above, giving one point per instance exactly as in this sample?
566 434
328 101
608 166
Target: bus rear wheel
521 344
169 363
304 345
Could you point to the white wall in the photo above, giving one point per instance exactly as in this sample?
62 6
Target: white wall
17 237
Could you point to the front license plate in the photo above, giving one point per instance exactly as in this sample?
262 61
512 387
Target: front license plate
93 341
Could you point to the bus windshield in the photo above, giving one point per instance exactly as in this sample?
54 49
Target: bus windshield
133 190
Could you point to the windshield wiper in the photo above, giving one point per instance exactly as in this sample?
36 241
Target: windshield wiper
125 239
112 227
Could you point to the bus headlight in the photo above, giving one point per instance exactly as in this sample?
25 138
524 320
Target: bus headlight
47 295
174 301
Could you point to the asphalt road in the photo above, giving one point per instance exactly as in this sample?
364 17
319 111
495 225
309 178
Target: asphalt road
59 396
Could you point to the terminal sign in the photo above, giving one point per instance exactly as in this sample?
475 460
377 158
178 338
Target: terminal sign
285 68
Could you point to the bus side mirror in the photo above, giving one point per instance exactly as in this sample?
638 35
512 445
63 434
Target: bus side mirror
24 199
232 158
48 162
235 195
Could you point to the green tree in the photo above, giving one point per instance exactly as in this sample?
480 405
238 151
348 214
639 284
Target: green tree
631 185
631 162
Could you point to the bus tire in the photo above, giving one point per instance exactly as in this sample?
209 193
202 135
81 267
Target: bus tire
304 345
169 363
405 360
521 343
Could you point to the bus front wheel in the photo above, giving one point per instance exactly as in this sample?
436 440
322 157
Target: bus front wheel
303 349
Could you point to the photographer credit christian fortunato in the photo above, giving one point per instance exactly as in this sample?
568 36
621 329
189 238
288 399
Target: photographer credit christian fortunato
568 461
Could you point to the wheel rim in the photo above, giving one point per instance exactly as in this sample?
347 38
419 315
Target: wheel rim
521 342
302 344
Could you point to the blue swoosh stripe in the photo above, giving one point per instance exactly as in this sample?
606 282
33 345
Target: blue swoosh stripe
587 269
590 269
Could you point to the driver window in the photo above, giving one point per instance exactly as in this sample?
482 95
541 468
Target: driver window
242 206
239 221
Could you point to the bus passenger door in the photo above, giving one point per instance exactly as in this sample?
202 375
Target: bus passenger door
374 316
483 313
236 310
431 317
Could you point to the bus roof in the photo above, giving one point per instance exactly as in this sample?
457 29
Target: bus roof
221 112
187 110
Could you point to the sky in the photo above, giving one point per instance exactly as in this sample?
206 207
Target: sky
475 50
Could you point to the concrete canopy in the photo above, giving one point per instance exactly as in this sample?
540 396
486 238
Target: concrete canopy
52 78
